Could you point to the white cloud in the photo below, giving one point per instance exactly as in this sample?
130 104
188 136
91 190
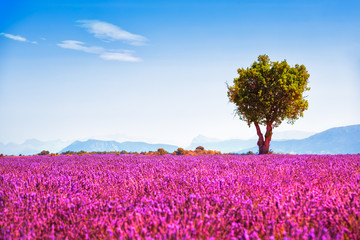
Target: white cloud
77 45
17 38
111 32
118 56
14 37
115 55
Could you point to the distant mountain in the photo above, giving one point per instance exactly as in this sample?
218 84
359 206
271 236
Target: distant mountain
32 146
201 139
225 146
339 140
291 135
234 145
93 145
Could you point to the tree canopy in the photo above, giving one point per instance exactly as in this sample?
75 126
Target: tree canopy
267 93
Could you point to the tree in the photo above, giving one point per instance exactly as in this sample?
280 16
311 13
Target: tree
179 151
161 151
267 93
200 148
44 152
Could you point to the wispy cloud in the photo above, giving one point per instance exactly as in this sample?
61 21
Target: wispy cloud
108 32
16 37
77 45
115 55
125 56
111 32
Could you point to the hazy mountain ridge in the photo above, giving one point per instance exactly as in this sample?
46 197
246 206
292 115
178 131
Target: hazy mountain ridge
339 140
290 135
234 145
32 146
93 145
225 146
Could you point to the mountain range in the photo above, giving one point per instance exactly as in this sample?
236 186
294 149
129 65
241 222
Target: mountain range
32 146
93 145
339 140
225 146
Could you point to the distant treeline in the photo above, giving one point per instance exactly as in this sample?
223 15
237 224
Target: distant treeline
180 151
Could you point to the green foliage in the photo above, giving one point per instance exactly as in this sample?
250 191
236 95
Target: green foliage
69 153
82 152
269 92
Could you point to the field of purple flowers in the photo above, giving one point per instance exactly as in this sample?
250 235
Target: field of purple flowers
177 197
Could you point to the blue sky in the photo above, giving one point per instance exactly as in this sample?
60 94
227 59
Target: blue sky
156 70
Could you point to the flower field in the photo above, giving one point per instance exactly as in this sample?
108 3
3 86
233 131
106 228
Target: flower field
180 197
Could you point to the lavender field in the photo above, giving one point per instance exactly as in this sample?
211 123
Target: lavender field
180 197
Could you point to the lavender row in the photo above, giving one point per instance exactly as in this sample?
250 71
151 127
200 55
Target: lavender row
177 197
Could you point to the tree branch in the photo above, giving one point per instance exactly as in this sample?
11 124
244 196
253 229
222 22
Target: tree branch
260 135
268 133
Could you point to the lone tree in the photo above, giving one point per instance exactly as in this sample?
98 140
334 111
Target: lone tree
267 93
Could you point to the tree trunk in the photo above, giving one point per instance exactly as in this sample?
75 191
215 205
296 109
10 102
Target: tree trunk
264 144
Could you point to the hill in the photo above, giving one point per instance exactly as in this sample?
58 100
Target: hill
225 146
32 146
93 145
339 140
